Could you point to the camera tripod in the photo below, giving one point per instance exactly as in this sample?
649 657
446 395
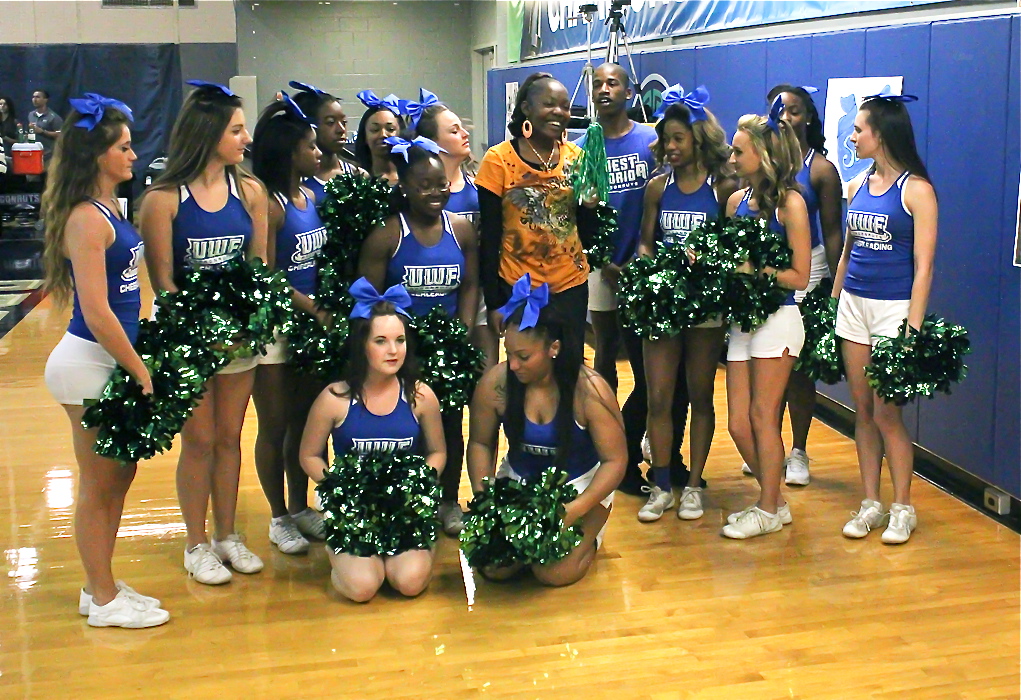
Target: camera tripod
618 38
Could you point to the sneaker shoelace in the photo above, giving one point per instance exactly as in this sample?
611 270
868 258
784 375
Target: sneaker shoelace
208 560
753 514
899 520
237 550
690 500
290 531
861 517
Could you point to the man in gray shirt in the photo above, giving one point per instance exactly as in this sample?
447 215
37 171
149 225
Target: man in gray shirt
44 122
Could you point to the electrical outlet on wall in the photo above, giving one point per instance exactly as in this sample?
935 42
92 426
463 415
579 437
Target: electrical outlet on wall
996 501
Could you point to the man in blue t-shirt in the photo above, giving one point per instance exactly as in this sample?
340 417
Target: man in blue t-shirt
630 165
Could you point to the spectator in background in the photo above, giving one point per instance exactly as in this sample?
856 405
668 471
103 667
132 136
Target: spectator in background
8 125
44 123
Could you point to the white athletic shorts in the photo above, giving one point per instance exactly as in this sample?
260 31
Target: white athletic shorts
820 270
481 319
865 321
276 352
580 484
78 370
783 330
601 296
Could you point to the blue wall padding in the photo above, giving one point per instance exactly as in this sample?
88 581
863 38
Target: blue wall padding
966 122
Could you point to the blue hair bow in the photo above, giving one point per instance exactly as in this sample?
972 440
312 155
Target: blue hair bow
366 296
695 101
414 110
93 106
886 95
775 111
402 146
305 87
534 301
215 86
293 109
810 89
390 102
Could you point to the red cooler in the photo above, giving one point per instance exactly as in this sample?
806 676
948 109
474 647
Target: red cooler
27 158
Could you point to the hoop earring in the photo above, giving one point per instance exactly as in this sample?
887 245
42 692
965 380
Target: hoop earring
526 129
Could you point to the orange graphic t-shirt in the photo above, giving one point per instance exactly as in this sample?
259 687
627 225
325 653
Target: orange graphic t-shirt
540 229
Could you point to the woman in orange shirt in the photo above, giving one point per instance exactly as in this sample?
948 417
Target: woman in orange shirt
530 221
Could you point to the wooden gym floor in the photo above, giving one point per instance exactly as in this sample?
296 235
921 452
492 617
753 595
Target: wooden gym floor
669 610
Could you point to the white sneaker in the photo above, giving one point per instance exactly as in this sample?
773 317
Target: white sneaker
283 532
85 599
903 521
241 558
797 468
310 524
646 449
126 610
746 470
868 518
691 504
205 567
752 523
783 511
659 501
451 517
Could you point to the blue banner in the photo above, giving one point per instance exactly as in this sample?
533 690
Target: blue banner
555 26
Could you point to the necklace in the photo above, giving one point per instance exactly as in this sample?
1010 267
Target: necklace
548 163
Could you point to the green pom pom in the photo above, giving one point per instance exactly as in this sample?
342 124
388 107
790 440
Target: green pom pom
379 504
314 349
820 358
352 208
520 522
450 365
925 362
652 293
218 314
590 176
599 250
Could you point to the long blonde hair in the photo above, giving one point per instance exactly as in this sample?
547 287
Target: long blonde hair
73 173
780 153
203 118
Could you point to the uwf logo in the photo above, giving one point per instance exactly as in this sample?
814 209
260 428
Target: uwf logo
210 252
363 446
627 172
431 280
307 245
867 226
539 450
676 225
130 273
850 165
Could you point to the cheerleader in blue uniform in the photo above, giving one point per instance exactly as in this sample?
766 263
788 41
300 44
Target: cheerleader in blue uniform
330 120
204 211
820 186
884 277
382 119
91 254
285 155
434 255
554 411
766 155
439 123
695 188
380 406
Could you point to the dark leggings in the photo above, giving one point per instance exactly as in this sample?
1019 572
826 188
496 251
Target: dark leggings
636 408
453 437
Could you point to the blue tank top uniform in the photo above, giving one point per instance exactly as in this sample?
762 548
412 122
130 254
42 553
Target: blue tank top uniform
804 178
465 202
744 209
538 450
122 259
431 274
629 165
203 238
363 432
882 262
298 242
318 187
680 214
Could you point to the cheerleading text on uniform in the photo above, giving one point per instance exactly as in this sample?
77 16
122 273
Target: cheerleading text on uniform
209 252
306 248
869 230
431 280
364 446
130 273
627 172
